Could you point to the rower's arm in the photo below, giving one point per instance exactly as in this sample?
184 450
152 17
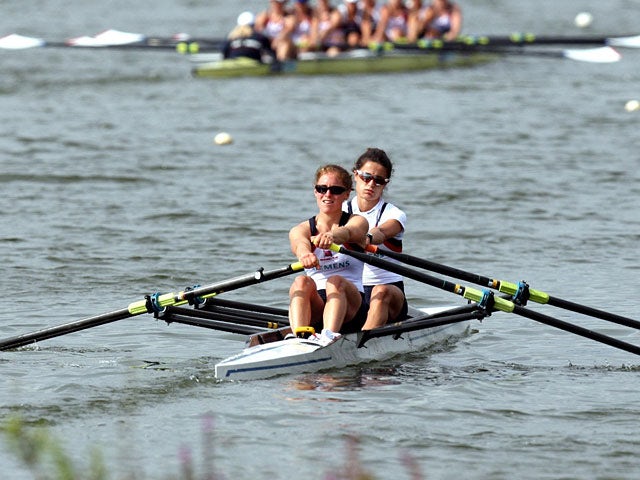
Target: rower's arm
388 229
354 231
301 246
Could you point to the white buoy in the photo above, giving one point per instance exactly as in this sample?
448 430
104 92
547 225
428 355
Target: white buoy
632 106
583 19
223 138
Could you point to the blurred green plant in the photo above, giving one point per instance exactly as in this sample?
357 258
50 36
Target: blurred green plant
44 455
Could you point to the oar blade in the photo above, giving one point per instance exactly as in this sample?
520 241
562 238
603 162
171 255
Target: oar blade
20 42
108 38
625 42
593 55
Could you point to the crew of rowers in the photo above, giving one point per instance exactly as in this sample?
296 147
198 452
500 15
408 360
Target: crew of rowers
291 30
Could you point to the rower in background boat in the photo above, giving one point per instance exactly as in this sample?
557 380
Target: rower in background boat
272 23
245 42
369 15
441 19
393 25
337 29
348 20
325 34
331 294
384 290
415 22
298 28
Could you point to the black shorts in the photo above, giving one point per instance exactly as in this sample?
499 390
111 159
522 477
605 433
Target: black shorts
358 321
405 307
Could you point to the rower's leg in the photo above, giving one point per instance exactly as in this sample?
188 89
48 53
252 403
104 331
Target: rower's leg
305 305
385 304
343 303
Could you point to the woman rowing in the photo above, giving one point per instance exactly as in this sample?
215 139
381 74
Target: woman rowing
338 29
369 17
348 19
394 22
442 19
330 295
384 291
272 23
299 23
325 35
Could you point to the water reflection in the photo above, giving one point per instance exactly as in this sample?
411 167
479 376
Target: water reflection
349 379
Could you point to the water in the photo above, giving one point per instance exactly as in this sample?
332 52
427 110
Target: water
112 188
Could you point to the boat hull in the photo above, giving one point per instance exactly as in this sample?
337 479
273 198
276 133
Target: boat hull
356 62
298 355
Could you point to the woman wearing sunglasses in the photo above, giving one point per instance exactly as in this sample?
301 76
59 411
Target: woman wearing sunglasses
331 292
384 291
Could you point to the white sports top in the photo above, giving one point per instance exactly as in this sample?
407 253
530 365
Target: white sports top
379 214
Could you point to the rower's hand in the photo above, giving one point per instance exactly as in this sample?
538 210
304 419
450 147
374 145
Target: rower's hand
309 260
323 240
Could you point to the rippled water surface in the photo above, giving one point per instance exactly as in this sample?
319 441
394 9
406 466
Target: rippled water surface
112 188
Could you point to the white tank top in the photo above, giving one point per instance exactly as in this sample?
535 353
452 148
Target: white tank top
333 263
379 214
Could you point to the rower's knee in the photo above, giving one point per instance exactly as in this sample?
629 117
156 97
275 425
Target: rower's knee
382 293
336 283
302 286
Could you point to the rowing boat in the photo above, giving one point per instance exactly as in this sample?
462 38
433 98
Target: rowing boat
357 61
270 354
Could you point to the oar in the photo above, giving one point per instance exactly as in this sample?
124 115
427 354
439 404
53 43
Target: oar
236 317
216 303
503 286
152 304
486 300
590 55
114 39
517 40
630 41
460 314
188 316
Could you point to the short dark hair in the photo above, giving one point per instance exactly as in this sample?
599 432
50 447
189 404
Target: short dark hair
375 155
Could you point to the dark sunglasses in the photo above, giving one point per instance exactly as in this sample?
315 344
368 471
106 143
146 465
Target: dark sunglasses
334 189
367 177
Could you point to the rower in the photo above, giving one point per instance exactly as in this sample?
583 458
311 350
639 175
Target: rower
325 34
272 23
442 19
299 26
394 22
331 294
383 290
245 42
